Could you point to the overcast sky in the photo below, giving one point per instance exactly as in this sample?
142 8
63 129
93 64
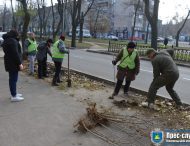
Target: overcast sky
167 8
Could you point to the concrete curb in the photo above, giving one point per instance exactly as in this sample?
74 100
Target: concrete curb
111 83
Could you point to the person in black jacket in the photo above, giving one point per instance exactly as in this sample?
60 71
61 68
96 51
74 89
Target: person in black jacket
12 61
43 50
165 42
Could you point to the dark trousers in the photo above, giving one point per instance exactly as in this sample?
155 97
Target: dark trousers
119 84
57 71
13 77
160 82
42 68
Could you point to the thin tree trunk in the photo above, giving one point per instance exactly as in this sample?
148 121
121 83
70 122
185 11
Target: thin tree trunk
53 23
134 22
81 28
40 18
4 16
60 11
73 41
152 19
65 17
147 32
95 27
25 26
14 25
180 29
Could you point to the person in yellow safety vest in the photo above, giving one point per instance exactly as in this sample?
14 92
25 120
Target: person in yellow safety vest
58 51
31 46
128 68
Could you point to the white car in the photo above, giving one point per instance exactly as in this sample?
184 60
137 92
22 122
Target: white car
86 33
112 37
1 35
160 39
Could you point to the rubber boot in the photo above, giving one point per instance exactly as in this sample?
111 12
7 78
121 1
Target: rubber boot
54 83
59 80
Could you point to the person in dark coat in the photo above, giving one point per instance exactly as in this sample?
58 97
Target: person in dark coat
165 73
127 69
166 42
41 56
12 61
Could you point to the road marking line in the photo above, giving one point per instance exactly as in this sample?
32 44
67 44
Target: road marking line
186 79
146 70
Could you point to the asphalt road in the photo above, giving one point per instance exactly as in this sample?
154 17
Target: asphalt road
100 65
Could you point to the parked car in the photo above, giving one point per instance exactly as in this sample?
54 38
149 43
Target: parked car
170 39
160 39
1 35
112 37
86 33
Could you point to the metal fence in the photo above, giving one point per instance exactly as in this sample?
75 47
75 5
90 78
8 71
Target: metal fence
179 54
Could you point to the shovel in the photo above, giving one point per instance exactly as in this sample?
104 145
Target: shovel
68 79
114 69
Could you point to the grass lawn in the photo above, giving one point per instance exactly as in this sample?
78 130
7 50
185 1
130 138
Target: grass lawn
83 45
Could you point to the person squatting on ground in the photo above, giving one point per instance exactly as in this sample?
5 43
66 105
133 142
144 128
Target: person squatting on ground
41 56
12 61
58 51
128 68
31 46
165 73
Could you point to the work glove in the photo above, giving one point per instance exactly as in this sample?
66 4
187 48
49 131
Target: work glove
114 62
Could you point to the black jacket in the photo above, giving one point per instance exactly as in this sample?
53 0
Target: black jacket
43 50
12 50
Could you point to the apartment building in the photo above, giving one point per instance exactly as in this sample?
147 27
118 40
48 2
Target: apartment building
121 17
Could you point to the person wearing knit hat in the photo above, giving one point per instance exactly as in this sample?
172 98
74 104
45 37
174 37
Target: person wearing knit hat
62 37
41 56
58 52
131 45
128 67
165 73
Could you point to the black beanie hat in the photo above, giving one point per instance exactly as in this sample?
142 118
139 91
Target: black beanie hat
131 45
13 33
50 41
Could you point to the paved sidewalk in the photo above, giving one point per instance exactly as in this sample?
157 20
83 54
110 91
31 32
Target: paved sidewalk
45 118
